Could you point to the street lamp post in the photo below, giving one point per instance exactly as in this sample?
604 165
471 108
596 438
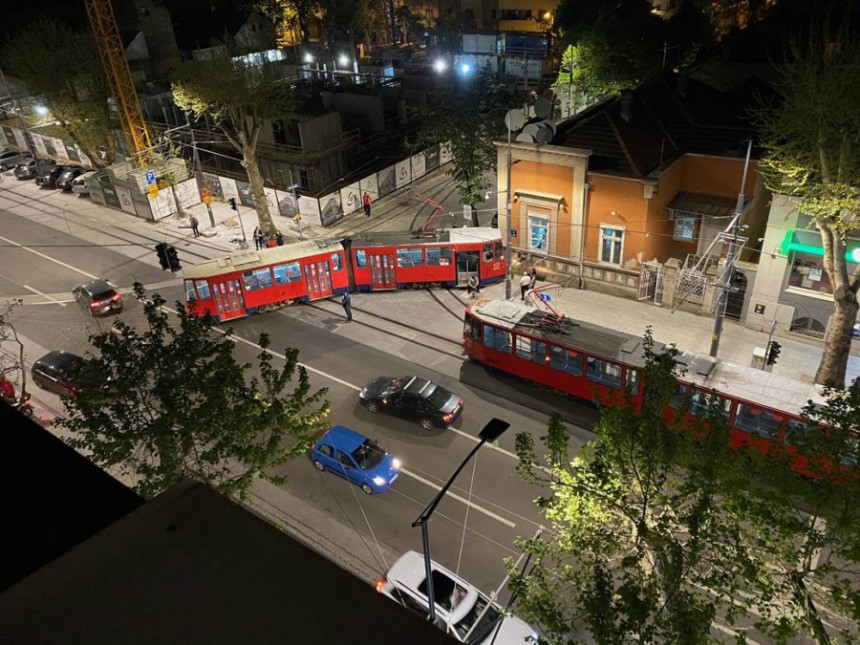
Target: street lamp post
490 432
508 255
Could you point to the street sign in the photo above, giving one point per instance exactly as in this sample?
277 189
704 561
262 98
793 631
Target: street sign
513 232
545 297
150 177
153 190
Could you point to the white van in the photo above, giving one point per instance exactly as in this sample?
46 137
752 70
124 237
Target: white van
79 184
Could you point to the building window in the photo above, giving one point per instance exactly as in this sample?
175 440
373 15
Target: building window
538 233
611 244
685 229
807 272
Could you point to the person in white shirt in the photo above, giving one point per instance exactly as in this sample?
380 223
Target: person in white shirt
525 284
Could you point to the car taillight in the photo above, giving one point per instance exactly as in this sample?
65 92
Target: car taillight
95 304
117 298
380 584
448 417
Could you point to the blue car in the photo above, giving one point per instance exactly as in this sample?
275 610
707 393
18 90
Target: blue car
354 457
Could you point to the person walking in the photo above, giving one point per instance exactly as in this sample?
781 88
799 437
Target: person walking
194 225
258 238
534 278
279 238
474 286
525 281
366 203
346 303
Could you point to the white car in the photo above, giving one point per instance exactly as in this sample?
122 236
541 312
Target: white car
11 158
458 604
80 183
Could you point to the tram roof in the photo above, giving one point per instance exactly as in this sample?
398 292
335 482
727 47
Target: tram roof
248 260
406 238
736 381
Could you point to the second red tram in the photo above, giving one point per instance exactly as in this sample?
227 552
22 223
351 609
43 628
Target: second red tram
596 364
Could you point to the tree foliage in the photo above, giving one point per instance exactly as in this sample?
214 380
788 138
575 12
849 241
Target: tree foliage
179 405
288 15
470 114
12 365
240 96
62 67
658 529
812 142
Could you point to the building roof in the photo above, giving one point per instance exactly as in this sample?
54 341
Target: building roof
663 124
702 205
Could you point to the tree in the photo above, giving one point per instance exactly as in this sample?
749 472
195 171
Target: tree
287 16
179 405
812 144
78 101
239 96
12 365
641 546
470 114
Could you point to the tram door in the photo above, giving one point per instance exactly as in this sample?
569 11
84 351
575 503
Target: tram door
467 266
228 298
382 270
318 279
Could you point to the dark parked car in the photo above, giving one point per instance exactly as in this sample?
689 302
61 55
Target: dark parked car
413 398
63 373
32 168
11 158
48 179
64 181
98 297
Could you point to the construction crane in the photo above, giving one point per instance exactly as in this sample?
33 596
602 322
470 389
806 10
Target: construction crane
120 81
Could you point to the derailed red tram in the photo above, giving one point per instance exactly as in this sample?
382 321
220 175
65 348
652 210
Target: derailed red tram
595 363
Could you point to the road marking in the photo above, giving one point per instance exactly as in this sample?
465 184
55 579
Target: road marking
47 257
44 295
465 501
489 445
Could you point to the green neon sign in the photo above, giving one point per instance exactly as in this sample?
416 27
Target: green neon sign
788 244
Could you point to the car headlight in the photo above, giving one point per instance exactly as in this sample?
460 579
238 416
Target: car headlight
379 481
395 464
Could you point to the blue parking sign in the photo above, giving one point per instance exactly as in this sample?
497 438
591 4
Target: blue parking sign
545 297
150 178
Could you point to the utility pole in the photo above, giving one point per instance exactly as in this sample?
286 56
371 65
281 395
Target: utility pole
730 259
198 169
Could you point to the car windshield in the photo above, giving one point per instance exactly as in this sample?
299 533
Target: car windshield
438 397
368 455
488 620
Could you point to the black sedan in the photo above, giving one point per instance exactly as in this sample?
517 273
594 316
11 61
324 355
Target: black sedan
63 373
413 398
48 179
64 181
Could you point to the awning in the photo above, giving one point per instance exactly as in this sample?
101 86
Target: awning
698 205
549 197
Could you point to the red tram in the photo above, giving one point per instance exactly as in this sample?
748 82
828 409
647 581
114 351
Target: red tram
254 281
595 363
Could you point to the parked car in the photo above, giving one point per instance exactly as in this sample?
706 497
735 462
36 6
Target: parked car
80 185
63 373
98 297
458 604
64 181
48 178
413 398
31 168
356 458
11 158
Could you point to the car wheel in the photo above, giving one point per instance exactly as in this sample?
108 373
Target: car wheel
372 407
427 424
318 466
367 489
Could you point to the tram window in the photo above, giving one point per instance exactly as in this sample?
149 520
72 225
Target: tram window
286 273
633 381
603 372
795 433
438 256
565 361
679 397
757 421
500 252
203 289
410 258
497 339
473 328
257 279
488 252
190 294
360 259
524 348
336 263
850 452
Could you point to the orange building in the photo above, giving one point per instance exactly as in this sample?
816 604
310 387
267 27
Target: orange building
632 179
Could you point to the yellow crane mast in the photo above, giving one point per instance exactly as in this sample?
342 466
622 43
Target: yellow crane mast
119 78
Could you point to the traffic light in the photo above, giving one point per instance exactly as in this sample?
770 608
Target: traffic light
773 349
161 250
173 258
233 204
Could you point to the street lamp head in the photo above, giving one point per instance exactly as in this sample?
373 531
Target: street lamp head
343 59
41 110
493 429
440 65
309 58
465 68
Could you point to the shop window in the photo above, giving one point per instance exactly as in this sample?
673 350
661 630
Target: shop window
258 279
807 272
685 229
438 256
538 233
410 257
611 244
565 361
603 372
203 289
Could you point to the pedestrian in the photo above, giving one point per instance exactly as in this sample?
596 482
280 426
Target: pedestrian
258 238
346 303
474 286
194 225
534 278
271 241
366 203
525 281
279 238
